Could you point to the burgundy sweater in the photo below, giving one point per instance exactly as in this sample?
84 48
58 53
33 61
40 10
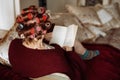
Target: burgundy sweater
36 63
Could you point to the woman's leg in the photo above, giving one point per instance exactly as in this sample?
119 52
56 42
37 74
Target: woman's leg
85 53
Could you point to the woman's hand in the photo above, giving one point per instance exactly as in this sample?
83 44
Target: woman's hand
48 36
67 48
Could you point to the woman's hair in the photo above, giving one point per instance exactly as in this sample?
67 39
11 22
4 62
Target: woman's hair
33 22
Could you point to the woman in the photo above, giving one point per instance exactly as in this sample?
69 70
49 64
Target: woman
31 57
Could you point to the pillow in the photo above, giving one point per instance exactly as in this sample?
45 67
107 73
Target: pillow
113 9
87 15
4 46
104 16
64 19
97 31
116 2
114 39
84 35
4 53
109 17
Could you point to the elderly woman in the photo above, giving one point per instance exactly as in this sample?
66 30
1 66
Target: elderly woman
31 57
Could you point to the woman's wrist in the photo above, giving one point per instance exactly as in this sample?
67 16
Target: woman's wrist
67 48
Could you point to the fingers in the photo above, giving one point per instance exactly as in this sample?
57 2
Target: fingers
48 36
67 48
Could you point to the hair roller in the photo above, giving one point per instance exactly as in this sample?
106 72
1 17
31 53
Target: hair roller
29 9
41 10
48 25
20 27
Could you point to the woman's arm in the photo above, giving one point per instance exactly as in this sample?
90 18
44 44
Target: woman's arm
78 48
83 52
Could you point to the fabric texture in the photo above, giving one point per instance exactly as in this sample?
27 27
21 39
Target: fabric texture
106 66
36 63
6 73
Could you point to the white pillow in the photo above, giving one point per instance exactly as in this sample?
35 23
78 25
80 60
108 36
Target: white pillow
4 46
104 16
4 53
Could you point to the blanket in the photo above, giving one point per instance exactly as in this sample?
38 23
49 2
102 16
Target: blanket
106 66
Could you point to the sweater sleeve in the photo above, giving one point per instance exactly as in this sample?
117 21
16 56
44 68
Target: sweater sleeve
6 73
